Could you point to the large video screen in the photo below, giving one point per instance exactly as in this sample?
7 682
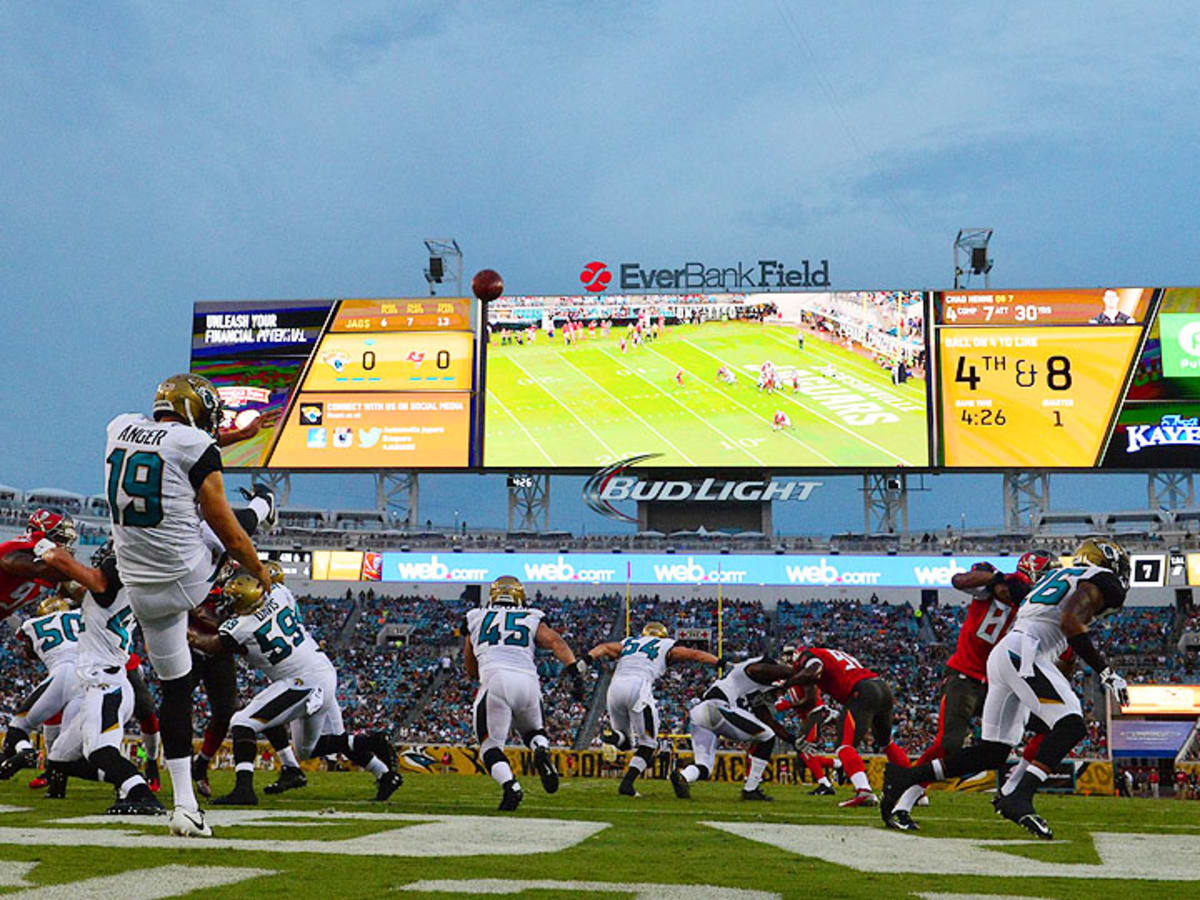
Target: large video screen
786 380
342 384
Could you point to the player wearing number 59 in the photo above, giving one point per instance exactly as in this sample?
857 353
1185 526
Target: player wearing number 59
498 649
163 475
632 711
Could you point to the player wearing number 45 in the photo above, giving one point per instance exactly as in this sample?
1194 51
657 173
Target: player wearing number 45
498 649
1024 681
265 627
632 712
163 476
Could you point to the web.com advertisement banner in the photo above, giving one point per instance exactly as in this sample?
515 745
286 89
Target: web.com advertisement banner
681 569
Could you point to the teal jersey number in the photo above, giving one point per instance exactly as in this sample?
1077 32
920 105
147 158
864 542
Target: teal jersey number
118 624
512 634
634 645
51 636
140 477
1053 587
276 646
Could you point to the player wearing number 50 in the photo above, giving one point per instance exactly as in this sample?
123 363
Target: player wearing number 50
265 627
163 475
1024 680
498 649
632 712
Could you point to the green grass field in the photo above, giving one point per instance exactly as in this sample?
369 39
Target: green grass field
328 841
590 405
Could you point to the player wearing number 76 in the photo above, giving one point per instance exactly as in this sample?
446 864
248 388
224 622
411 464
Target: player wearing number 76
163 476
498 648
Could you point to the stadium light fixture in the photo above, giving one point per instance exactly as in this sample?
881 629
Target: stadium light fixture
973 244
445 264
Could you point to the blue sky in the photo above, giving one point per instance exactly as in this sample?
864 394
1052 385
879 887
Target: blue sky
154 154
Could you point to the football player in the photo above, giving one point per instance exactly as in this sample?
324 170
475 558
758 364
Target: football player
49 637
780 420
867 704
1024 680
265 627
163 477
737 707
498 649
22 575
996 597
89 744
800 701
641 661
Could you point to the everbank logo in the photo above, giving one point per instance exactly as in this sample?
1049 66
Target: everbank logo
561 570
826 573
595 276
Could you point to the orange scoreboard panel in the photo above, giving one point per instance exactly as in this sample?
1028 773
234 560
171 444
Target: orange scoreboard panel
1034 377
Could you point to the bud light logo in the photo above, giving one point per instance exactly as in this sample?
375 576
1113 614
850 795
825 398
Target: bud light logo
595 277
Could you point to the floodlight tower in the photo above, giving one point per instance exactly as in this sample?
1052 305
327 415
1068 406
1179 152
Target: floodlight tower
973 244
445 264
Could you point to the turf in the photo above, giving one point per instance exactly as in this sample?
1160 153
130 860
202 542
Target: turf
654 838
589 405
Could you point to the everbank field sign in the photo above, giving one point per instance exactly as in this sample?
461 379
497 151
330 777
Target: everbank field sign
761 275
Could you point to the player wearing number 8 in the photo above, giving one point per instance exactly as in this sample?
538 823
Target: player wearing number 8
163 475
498 649
632 711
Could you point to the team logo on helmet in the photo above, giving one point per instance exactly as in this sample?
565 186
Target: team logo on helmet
193 398
1106 554
57 527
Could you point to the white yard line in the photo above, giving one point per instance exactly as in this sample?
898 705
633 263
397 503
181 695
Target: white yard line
570 412
817 413
810 449
822 349
733 443
628 409
520 425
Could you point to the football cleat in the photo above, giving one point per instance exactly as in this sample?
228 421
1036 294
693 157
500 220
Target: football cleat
188 823
513 795
823 790
239 796
683 790
902 820
56 786
387 785
23 759
267 522
142 806
200 776
626 789
860 798
757 794
1019 808
996 798
151 776
382 748
38 782
290 777
613 738
545 768
1037 826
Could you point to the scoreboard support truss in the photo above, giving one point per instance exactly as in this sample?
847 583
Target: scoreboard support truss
396 497
1170 490
1026 495
278 480
885 503
528 502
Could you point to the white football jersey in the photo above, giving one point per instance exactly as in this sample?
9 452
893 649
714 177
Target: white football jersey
1040 615
275 640
738 687
108 623
643 657
502 638
152 470
55 637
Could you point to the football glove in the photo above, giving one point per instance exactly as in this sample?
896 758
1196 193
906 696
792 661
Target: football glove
44 546
1116 686
578 671
803 747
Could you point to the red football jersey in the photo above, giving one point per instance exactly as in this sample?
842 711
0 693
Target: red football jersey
794 699
17 591
988 620
840 671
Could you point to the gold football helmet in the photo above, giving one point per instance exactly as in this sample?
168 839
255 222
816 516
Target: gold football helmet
243 595
1105 553
654 629
53 604
274 569
193 398
506 591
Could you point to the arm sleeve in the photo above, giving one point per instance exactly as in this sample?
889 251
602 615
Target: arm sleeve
106 597
209 462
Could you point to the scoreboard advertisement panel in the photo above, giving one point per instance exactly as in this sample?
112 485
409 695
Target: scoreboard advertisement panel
342 384
959 380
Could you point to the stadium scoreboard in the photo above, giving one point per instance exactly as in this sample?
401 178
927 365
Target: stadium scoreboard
959 380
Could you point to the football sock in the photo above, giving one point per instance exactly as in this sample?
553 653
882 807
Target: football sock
1066 733
129 784
149 726
691 773
539 742
909 798
814 766
860 781
211 744
754 778
1014 777
896 755
245 747
934 752
824 779
979 757
180 770
637 765
261 508
375 766
853 765
175 721
497 765
50 735
287 757
1032 748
